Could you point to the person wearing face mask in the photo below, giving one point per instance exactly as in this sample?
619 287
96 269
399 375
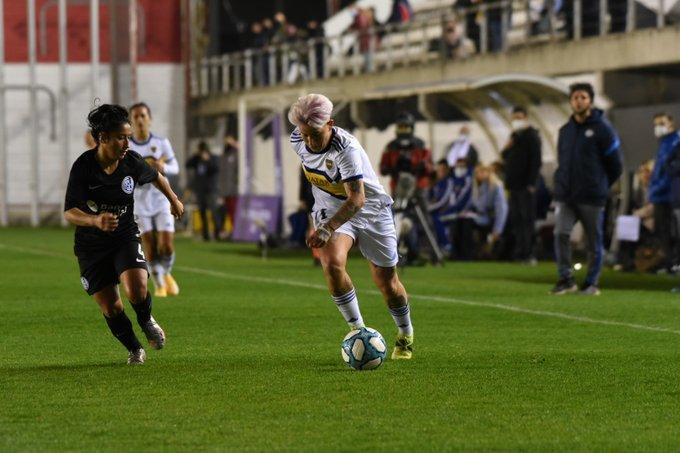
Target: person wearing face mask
660 184
462 148
522 163
459 202
589 162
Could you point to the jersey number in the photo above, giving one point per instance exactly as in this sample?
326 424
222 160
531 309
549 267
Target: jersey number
141 253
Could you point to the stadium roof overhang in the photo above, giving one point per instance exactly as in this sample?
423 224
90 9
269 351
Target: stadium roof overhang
484 100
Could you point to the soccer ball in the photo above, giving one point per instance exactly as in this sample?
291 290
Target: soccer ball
363 349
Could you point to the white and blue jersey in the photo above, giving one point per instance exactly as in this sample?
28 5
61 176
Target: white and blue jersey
150 201
341 161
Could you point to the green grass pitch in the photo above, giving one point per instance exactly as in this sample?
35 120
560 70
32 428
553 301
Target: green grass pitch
253 360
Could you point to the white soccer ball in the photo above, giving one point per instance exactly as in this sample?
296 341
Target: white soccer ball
363 349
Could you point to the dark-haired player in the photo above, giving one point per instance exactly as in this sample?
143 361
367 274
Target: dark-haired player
99 201
152 209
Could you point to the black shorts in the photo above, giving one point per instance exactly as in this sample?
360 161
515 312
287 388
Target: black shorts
103 268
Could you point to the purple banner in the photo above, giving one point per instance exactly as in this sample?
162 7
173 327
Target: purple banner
256 214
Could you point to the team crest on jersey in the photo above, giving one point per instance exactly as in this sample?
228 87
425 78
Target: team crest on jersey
329 164
86 284
128 185
590 133
153 149
92 205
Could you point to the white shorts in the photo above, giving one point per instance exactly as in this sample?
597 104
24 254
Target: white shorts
373 233
163 221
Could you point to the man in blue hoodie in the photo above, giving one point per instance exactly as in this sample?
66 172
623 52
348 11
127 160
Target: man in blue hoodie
660 184
589 162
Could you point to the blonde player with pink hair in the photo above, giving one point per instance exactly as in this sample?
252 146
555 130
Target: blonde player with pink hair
350 207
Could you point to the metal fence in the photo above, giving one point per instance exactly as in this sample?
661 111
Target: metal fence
489 27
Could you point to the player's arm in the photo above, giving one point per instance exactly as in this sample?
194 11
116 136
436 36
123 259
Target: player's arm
170 164
106 221
355 201
176 207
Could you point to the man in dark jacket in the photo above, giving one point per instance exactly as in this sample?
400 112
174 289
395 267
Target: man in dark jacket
204 184
522 159
660 184
589 162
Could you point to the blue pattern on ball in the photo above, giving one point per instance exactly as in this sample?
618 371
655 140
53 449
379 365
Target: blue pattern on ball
370 352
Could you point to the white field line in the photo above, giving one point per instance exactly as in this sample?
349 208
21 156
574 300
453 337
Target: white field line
421 297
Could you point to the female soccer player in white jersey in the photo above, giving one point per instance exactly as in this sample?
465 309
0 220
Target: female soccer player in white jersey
152 209
350 206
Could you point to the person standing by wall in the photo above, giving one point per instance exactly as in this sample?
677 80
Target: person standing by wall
522 162
660 185
589 162
205 168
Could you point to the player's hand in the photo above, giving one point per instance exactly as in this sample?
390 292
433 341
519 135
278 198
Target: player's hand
106 221
176 208
319 237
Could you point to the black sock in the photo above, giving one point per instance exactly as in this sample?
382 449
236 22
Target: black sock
143 310
121 328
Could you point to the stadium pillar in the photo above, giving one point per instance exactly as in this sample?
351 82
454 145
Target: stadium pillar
94 49
4 173
428 111
244 144
34 179
63 97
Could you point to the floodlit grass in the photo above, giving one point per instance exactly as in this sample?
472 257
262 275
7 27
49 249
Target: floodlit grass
253 359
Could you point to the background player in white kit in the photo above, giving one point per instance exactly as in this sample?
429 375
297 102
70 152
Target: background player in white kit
350 205
152 209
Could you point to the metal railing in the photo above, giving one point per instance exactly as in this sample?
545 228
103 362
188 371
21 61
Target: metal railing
489 27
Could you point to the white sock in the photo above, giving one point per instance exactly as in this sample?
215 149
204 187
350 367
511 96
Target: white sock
158 271
168 261
348 304
402 318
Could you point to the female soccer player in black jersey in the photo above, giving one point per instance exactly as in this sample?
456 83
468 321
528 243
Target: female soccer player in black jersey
99 201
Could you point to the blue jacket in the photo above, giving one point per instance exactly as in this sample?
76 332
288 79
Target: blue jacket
672 167
491 207
660 182
589 160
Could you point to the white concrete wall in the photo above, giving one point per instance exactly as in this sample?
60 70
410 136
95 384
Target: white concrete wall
160 85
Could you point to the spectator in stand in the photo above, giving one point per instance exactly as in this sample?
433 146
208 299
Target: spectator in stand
297 55
660 184
453 45
482 223
401 12
365 23
475 17
439 203
589 162
315 31
268 29
522 163
462 148
590 18
257 41
204 184
458 204
279 35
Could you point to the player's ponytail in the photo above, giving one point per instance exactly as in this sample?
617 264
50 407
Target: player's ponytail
106 118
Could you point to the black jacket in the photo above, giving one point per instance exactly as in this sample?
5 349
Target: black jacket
522 159
589 160
204 181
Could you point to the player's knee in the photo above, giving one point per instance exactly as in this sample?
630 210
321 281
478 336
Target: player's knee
136 291
112 309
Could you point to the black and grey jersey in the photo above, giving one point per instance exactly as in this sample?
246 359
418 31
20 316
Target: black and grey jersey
93 191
